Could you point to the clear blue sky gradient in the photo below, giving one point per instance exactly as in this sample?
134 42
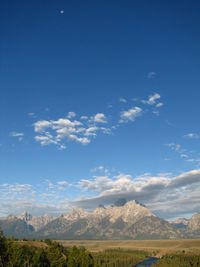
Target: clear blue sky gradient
84 61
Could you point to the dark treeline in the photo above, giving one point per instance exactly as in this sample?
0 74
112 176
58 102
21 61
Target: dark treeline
16 253
51 254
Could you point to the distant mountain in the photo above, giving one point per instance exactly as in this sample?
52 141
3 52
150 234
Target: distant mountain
35 222
180 223
190 228
124 220
15 227
191 225
194 223
155 228
129 220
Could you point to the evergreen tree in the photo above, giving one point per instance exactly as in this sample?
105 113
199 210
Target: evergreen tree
3 249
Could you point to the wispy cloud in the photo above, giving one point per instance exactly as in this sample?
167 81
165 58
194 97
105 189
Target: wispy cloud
15 192
130 114
18 135
71 114
31 114
84 118
46 197
159 105
122 100
187 155
192 136
100 169
62 184
151 74
152 100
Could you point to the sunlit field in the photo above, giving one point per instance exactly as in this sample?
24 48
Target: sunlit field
158 247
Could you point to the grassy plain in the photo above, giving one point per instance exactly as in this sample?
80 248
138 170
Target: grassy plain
156 247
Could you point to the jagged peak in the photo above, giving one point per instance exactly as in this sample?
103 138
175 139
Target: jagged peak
25 216
76 214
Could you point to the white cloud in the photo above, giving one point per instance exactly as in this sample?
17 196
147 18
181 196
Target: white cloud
63 130
18 188
13 192
130 114
83 129
174 146
164 194
40 126
98 184
15 134
122 100
152 99
46 139
123 182
151 75
100 169
195 161
187 155
46 197
156 112
192 136
91 131
31 114
84 118
99 118
18 135
184 156
159 105
71 114
62 184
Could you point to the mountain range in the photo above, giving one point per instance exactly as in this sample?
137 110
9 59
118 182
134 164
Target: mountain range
123 220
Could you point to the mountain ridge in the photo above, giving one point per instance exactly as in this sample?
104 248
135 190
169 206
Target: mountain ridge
126 220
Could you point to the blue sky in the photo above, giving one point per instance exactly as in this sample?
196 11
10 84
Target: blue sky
99 93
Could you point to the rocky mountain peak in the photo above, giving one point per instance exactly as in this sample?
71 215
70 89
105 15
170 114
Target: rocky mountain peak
194 222
124 221
76 214
129 213
25 216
